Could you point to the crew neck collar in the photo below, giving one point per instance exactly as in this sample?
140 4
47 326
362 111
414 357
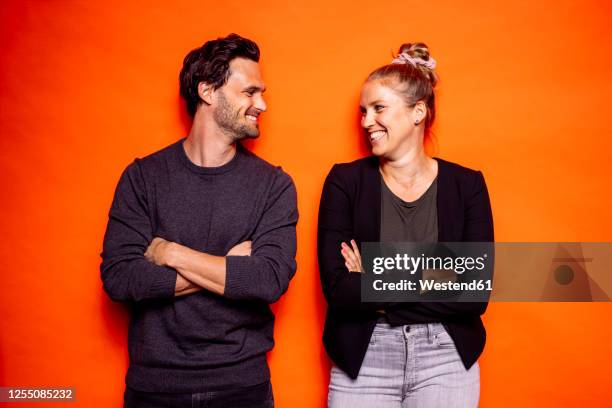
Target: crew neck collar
413 203
207 170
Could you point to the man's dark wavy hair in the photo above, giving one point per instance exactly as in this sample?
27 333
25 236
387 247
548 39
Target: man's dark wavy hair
210 64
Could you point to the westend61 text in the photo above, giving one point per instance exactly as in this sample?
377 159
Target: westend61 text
432 285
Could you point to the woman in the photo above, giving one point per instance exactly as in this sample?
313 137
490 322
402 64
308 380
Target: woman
399 354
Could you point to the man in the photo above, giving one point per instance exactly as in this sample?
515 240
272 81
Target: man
200 240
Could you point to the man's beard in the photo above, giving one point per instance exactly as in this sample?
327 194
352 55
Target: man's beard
231 122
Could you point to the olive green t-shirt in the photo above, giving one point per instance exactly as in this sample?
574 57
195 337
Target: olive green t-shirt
414 221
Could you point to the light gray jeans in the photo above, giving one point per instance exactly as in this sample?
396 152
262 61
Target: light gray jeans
408 366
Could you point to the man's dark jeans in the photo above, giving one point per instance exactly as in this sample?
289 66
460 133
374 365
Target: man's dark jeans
257 396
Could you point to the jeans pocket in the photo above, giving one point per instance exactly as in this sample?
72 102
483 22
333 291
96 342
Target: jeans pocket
444 340
254 396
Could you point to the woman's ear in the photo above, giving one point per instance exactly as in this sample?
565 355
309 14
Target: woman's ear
419 112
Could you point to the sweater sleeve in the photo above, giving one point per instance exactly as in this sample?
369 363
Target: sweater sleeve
342 289
126 274
265 275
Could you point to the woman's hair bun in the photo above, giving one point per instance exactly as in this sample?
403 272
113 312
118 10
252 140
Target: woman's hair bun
420 51
415 50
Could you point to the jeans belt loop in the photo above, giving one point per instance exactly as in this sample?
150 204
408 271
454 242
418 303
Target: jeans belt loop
430 333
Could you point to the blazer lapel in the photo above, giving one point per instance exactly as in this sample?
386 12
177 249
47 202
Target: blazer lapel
446 204
369 212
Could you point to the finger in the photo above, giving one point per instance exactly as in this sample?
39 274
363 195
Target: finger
148 256
345 256
155 244
348 253
351 255
357 253
345 251
350 266
347 248
355 248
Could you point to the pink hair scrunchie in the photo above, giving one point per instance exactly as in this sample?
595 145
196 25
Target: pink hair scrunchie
404 58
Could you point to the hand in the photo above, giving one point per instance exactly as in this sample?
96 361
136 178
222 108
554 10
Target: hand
184 286
352 257
242 249
158 251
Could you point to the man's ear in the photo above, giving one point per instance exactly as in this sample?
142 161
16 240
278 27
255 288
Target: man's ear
205 92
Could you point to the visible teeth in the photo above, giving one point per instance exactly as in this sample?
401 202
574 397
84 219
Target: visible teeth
377 135
251 117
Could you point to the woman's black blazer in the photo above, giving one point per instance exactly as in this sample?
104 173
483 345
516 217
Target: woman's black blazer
350 209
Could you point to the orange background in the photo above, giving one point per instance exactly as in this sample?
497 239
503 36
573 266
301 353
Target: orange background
85 87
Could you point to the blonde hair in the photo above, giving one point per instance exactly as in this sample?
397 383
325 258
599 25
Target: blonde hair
413 77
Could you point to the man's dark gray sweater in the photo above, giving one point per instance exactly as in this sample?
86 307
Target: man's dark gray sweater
200 341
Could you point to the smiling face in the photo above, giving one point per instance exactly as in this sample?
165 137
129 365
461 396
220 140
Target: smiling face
388 122
238 104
